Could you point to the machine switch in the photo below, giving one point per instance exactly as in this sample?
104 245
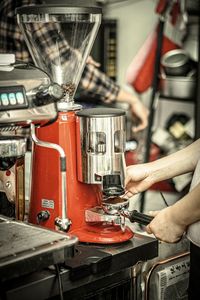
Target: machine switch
43 216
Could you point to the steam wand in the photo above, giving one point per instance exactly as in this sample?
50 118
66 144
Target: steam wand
63 223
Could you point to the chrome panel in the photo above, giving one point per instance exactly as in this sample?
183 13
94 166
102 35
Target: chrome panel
23 117
103 160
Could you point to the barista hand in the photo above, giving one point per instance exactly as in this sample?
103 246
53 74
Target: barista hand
90 60
138 179
141 113
139 110
165 225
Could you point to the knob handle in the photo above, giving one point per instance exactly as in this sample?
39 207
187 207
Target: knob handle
43 216
50 94
140 218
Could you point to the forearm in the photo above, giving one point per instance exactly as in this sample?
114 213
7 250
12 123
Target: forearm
178 163
187 210
98 84
124 96
170 223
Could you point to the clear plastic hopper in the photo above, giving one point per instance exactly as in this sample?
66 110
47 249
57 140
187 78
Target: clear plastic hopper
59 39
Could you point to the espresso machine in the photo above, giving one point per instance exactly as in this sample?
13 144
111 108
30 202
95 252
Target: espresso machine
91 141
27 98
21 90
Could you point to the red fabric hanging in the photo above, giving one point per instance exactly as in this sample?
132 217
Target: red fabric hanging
144 77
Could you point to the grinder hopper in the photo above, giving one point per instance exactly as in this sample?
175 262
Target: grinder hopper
59 39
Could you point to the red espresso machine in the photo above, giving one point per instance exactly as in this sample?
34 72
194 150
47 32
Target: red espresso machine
90 141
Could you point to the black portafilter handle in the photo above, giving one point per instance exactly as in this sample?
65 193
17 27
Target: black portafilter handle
135 216
50 94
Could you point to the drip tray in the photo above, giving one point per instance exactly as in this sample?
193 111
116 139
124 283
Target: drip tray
26 248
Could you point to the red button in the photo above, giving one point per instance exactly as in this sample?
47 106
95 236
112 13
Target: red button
8 173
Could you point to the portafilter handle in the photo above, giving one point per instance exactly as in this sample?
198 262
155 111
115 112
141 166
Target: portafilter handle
135 216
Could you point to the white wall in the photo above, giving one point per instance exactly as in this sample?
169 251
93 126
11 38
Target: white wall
136 19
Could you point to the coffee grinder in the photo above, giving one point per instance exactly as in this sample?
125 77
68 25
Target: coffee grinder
60 39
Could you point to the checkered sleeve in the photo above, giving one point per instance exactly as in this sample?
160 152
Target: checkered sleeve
52 43
98 84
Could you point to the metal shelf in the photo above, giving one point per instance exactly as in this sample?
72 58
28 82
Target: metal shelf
192 100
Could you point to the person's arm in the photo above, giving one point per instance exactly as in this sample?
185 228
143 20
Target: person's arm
139 110
97 84
103 88
140 177
170 223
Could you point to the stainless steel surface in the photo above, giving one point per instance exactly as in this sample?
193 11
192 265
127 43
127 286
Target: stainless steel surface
24 117
26 248
102 144
87 274
101 215
62 222
31 79
168 278
115 208
175 62
68 106
12 146
97 214
111 207
182 87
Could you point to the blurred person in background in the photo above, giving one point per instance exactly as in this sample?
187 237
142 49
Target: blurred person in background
93 80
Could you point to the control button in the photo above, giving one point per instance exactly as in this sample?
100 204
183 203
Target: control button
20 97
42 216
12 98
4 99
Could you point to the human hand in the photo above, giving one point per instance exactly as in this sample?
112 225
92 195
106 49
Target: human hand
138 179
93 62
165 226
141 112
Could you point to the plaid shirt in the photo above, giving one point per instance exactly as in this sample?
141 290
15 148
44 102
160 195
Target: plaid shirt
95 82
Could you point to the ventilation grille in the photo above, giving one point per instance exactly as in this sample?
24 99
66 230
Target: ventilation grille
170 280
120 291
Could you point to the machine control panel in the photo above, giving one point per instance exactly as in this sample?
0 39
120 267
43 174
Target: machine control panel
13 97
